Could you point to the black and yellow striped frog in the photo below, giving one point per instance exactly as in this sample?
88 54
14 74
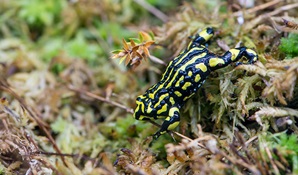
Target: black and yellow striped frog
184 75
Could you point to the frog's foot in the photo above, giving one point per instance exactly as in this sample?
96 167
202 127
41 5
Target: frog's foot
156 135
238 63
170 123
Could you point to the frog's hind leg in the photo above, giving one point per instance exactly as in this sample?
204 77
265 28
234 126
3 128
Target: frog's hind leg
170 123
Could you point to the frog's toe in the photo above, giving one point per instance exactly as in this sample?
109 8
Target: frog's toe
239 63
156 135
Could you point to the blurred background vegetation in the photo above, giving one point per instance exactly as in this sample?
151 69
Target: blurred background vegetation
79 29
66 105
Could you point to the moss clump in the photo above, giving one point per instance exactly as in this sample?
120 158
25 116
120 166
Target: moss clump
289 45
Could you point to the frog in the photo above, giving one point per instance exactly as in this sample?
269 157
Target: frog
183 76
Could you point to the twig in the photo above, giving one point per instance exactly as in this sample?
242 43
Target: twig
84 157
248 142
240 162
47 164
266 16
25 107
271 160
283 8
183 136
153 10
251 139
129 110
157 60
257 8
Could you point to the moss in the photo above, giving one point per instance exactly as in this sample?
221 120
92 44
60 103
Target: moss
289 45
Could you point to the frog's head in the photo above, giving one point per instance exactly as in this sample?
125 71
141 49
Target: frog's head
140 109
251 55
204 35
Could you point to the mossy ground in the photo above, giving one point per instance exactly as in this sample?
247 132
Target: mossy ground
66 106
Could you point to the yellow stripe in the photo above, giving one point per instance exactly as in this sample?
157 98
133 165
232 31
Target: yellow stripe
235 53
152 87
186 85
134 114
163 132
142 117
141 96
172 100
180 59
172 111
178 82
167 69
201 66
163 109
160 99
186 54
205 35
140 104
137 109
156 91
215 61
192 60
173 126
197 78
151 96
171 114
149 109
189 45
188 97
252 52
189 73
178 93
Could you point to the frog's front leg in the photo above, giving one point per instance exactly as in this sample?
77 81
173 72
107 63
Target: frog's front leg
170 123
233 55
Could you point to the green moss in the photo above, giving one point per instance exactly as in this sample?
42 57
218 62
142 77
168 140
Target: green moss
80 48
57 68
287 146
289 45
38 13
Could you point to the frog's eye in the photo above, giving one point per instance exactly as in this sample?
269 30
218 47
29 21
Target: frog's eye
210 30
